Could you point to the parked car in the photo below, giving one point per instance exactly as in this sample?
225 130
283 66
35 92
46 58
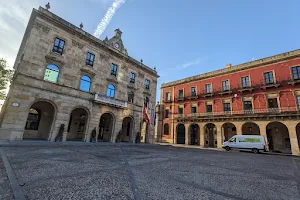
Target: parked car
255 143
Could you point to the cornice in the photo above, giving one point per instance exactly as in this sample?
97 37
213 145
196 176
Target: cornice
248 65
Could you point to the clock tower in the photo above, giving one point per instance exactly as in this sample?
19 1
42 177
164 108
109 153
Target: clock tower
116 42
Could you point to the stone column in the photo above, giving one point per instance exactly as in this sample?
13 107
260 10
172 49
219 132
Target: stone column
219 135
187 134
201 129
291 125
238 126
263 131
158 124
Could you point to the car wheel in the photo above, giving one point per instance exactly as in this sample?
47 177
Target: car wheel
255 150
227 148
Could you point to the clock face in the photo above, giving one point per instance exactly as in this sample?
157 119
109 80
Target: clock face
117 45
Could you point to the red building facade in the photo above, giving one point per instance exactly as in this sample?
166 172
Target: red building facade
261 97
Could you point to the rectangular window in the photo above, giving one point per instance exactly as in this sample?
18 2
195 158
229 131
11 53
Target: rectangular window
245 82
247 105
193 91
226 107
208 88
296 73
58 46
113 70
168 96
194 109
90 59
180 110
147 86
132 77
269 79
298 101
180 93
166 113
209 108
225 85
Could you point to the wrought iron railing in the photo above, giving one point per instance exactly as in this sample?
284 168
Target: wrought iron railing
265 111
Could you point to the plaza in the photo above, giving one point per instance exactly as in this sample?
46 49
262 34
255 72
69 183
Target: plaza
76 170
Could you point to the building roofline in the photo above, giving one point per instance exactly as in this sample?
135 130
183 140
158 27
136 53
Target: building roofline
239 67
83 34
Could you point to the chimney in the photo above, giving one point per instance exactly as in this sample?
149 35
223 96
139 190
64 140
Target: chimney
228 65
118 33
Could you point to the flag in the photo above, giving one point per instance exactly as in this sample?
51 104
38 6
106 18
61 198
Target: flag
145 114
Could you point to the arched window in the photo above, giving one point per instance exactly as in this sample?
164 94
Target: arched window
110 91
130 97
33 119
85 83
51 73
166 129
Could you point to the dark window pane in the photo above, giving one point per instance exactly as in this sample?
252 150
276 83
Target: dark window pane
166 113
58 45
226 107
166 129
193 110
180 110
180 93
208 108
113 71
90 59
296 72
147 84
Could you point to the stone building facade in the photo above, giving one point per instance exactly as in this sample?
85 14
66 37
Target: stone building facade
261 97
67 77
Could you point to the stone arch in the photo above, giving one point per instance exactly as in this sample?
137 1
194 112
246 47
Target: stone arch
78 123
40 120
180 132
250 128
106 126
228 130
194 134
210 135
127 129
278 137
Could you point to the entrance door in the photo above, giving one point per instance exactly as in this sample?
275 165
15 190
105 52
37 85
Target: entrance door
180 134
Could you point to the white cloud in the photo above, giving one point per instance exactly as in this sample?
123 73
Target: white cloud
190 63
14 16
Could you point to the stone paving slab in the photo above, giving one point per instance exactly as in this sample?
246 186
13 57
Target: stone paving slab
159 172
5 189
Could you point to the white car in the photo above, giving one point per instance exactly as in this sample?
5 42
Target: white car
255 143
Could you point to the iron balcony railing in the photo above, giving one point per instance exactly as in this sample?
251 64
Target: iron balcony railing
110 101
242 112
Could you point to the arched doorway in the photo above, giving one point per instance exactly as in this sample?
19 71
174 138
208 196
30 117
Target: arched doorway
298 134
127 127
106 127
278 137
77 124
250 128
228 130
210 135
194 134
180 134
39 121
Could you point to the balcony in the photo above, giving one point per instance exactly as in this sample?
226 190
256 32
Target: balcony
246 87
293 81
165 100
179 98
192 95
207 93
265 85
222 91
242 113
110 101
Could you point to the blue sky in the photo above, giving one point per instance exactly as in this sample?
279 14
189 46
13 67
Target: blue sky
185 38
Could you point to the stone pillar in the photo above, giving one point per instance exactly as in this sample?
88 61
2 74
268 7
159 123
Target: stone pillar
263 131
291 125
158 124
187 134
238 126
201 129
174 132
219 135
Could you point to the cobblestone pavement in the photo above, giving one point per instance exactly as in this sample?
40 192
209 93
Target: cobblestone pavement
131 171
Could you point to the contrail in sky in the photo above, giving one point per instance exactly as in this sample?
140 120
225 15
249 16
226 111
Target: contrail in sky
107 17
